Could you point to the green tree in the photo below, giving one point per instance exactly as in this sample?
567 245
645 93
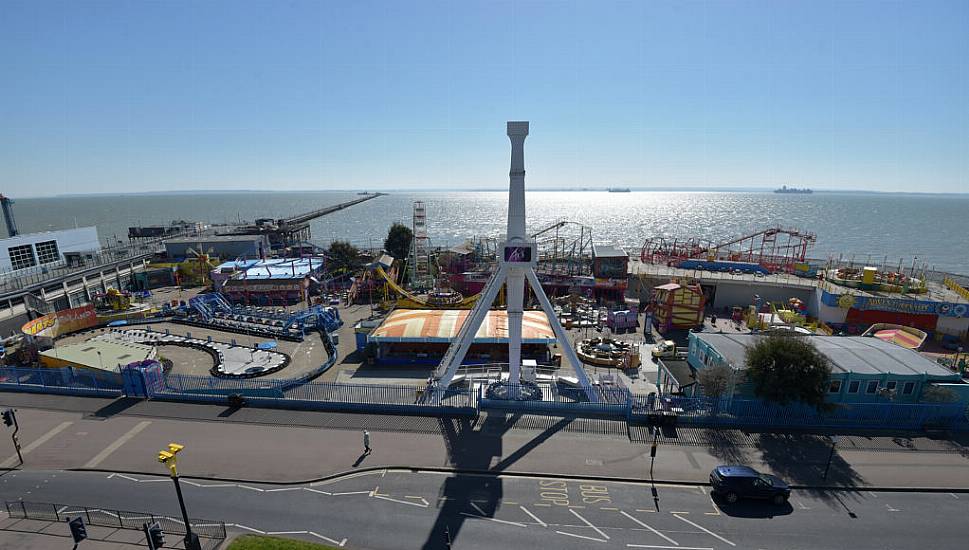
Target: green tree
714 380
398 241
344 257
787 368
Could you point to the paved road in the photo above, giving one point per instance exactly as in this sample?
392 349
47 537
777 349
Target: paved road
402 509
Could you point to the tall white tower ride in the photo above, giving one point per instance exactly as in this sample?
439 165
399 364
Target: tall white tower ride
517 259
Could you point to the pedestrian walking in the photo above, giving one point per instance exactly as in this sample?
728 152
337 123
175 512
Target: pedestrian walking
366 442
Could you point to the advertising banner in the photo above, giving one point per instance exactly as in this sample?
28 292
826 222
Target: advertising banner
897 305
62 322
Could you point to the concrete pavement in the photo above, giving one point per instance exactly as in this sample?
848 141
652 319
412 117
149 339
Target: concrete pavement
263 445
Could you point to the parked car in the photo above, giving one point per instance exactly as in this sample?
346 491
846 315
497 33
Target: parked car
736 482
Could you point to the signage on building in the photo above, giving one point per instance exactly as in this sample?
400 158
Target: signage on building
897 305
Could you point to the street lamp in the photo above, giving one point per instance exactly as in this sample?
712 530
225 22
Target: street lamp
167 457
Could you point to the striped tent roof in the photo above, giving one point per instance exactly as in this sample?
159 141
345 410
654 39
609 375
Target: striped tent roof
441 326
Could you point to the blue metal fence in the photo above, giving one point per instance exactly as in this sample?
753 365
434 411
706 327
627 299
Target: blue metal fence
756 413
314 395
610 401
60 380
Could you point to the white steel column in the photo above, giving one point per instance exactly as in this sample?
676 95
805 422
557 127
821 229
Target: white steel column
515 283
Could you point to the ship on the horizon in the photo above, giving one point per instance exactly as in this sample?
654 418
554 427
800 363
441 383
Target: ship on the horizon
793 190
618 189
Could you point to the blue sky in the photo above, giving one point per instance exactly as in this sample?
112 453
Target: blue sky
148 95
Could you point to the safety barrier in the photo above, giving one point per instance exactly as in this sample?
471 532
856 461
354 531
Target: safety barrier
115 519
67 380
756 413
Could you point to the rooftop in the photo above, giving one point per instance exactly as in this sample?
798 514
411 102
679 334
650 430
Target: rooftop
847 354
112 354
608 251
214 239
442 325
280 268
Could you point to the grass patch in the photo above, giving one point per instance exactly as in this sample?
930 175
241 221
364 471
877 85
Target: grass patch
258 542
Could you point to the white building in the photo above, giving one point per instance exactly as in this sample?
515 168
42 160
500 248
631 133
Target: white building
34 251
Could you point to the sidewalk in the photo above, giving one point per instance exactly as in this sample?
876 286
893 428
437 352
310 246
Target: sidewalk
125 437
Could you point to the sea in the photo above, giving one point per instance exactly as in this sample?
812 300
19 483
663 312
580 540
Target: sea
872 228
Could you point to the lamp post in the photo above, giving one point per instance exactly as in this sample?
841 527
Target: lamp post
167 457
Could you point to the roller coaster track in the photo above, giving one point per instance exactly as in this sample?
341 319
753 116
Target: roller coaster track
417 300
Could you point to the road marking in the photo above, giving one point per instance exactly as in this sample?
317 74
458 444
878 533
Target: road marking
327 539
36 443
669 547
534 517
579 536
257 489
801 504
585 521
891 509
671 541
704 529
655 532
873 495
240 526
953 495
106 452
496 520
354 493
418 504
641 510
284 489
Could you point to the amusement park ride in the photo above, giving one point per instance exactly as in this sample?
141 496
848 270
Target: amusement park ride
774 249
516 264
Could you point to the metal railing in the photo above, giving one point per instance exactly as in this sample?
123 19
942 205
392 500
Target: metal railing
66 378
117 519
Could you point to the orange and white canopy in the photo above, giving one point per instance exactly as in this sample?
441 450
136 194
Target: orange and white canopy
442 325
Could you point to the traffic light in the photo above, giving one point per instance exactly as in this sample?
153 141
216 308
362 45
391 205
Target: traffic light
8 417
78 531
155 535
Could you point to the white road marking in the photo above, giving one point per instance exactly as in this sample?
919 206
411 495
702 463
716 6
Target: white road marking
953 495
534 517
240 526
327 539
671 541
872 495
585 521
704 529
801 505
114 446
669 547
353 493
496 520
579 536
892 509
36 443
284 489
418 504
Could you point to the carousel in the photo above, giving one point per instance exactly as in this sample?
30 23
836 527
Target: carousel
606 352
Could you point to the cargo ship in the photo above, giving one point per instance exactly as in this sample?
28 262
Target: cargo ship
785 190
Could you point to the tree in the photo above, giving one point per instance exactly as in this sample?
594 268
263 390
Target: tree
939 395
398 240
344 257
786 368
714 380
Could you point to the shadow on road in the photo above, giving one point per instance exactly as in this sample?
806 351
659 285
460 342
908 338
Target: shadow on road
729 446
464 496
753 509
117 406
803 460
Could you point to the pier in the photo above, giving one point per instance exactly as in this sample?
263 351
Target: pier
284 232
